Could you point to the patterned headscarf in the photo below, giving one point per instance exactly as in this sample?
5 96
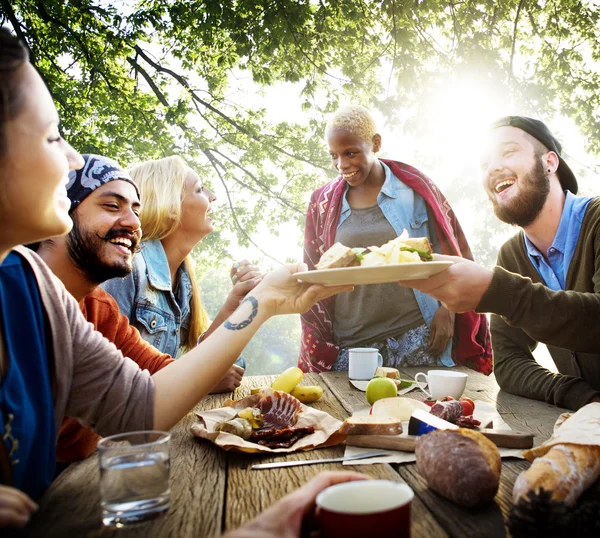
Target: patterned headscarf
96 171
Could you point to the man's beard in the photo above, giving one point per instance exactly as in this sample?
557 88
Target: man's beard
83 247
527 205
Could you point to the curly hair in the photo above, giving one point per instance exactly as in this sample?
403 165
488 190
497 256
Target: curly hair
13 59
355 119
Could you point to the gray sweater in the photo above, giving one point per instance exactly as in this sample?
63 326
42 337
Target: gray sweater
91 380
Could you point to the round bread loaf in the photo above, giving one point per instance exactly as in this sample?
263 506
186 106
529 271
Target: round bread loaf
462 465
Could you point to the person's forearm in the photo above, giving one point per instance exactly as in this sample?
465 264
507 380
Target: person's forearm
220 318
182 384
545 315
518 372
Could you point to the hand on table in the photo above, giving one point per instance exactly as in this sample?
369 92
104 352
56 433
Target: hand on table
288 517
459 288
230 381
15 507
441 331
284 294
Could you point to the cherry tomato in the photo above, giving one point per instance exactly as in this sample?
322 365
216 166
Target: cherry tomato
468 406
446 399
429 401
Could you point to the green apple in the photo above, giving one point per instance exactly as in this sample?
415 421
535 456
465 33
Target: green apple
380 387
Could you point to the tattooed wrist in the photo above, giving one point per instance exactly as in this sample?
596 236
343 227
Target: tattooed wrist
243 308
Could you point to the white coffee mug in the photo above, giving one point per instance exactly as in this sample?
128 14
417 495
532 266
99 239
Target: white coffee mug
443 383
363 361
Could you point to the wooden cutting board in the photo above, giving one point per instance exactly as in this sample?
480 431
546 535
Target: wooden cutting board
405 442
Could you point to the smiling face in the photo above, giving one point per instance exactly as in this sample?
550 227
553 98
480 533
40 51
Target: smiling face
514 175
34 168
195 207
106 231
353 157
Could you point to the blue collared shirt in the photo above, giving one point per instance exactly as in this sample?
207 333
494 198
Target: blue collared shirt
147 298
405 210
554 271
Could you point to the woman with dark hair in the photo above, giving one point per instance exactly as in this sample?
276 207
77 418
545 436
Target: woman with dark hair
52 362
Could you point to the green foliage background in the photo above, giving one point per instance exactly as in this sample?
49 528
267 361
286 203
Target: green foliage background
142 79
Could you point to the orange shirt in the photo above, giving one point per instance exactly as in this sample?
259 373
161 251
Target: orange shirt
75 441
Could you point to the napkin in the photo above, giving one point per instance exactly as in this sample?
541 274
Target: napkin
580 428
484 412
326 431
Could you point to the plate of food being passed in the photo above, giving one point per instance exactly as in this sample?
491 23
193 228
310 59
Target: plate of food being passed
403 258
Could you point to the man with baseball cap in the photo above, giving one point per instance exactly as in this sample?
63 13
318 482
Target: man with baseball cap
546 285
105 206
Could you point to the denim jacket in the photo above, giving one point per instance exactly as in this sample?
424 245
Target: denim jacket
147 299
406 210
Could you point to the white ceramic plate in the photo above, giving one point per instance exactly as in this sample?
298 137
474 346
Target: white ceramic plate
372 275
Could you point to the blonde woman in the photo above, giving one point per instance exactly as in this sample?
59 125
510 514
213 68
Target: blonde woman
161 296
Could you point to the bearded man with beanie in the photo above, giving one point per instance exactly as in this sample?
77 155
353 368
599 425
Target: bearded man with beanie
105 206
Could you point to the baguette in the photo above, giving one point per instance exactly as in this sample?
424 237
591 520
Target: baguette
461 465
566 471
371 425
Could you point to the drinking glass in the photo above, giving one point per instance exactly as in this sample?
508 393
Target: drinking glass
134 477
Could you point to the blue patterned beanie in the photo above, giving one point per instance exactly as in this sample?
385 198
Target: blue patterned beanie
96 171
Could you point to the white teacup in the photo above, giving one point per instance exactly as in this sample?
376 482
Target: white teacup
363 361
442 383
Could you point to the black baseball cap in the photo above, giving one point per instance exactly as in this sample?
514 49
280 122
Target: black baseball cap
540 132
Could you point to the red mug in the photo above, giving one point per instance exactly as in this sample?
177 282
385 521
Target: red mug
365 508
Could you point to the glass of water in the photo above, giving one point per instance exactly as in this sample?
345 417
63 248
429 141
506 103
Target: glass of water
134 477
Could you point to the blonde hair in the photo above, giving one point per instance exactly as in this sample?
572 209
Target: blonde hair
355 119
162 189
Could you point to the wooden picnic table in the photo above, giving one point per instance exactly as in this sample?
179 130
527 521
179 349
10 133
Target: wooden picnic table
213 491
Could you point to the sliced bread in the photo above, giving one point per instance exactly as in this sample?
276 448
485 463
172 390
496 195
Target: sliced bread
371 425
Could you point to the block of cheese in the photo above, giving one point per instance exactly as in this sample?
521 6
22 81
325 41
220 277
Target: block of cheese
400 408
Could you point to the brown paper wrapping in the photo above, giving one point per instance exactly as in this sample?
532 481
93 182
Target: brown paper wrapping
580 428
326 431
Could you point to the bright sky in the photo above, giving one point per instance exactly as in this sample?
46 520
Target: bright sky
447 146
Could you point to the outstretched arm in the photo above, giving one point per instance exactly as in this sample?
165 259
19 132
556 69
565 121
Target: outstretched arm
545 315
179 386
518 372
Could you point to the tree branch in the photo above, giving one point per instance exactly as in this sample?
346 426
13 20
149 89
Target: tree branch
258 181
183 82
149 80
235 219
514 41
10 15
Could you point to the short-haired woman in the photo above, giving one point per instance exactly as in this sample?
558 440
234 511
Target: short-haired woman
371 202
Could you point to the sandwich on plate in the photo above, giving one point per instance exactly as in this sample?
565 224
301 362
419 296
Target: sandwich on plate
403 249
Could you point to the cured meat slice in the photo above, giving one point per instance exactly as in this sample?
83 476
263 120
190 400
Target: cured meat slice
286 438
279 409
449 411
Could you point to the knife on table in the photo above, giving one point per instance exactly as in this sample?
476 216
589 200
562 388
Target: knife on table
280 464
